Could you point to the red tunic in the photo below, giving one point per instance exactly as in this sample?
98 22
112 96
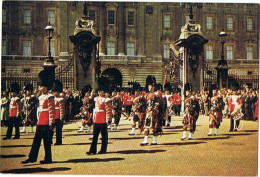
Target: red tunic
59 107
256 109
15 107
103 110
46 109
127 99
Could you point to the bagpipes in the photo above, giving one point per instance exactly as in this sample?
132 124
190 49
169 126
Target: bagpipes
152 111
218 104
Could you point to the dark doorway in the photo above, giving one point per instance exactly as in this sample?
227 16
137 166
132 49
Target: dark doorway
114 76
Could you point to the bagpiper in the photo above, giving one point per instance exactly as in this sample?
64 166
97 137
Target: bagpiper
86 111
168 97
154 111
102 114
57 122
29 109
215 113
14 112
46 114
117 104
235 108
191 112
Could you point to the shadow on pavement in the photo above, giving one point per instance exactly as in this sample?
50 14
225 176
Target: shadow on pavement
141 151
213 138
78 134
12 156
237 134
14 146
35 170
181 143
89 160
126 138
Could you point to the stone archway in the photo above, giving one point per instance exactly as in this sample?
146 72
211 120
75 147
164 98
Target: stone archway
114 76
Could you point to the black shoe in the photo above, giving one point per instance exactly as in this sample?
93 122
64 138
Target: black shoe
89 152
16 137
5 138
153 143
102 152
57 143
28 161
45 161
143 144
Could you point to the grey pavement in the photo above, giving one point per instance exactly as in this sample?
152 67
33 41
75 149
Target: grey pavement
228 154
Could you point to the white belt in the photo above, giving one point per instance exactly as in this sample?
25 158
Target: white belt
57 107
43 110
99 110
13 106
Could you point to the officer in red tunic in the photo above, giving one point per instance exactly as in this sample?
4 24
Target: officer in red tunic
215 113
102 115
46 114
14 113
59 111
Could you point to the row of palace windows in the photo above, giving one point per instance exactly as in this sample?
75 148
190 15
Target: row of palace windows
130 50
111 16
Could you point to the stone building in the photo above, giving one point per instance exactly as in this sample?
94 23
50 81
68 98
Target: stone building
136 39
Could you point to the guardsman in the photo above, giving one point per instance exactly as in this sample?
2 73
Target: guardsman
46 114
86 112
139 110
215 113
117 103
59 101
102 115
191 112
235 108
14 112
178 102
168 97
29 109
128 101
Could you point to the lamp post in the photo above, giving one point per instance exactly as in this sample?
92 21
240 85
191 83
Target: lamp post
49 64
222 67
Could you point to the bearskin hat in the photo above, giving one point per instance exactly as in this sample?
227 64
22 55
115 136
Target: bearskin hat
188 87
157 87
29 87
44 79
57 86
167 87
150 80
136 87
86 88
235 86
15 88
103 84
213 87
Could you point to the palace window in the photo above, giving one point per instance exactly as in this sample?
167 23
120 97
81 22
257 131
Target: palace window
130 18
111 50
187 18
249 24
51 17
230 52
27 16
166 51
229 23
167 21
249 52
3 47
4 15
27 48
209 52
26 70
52 48
209 23
111 17
130 46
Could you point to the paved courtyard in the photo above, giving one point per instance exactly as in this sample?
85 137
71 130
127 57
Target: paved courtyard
229 154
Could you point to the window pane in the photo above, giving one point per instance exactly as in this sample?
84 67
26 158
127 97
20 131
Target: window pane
3 47
27 45
110 48
52 48
187 18
209 52
130 48
229 23
111 17
229 52
4 15
167 21
51 17
249 24
27 16
130 18
209 23
166 50
249 52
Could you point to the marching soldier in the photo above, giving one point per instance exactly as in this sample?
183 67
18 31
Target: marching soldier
154 112
127 99
86 112
59 101
235 108
29 109
191 112
101 116
215 113
117 107
168 96
14 113
46 114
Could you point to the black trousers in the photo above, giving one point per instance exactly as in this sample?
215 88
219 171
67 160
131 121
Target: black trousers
58 125
97 128
42 132
13 122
